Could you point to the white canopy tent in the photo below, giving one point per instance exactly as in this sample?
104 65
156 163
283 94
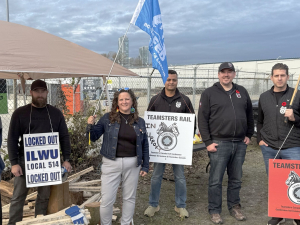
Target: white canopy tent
34 54
28 53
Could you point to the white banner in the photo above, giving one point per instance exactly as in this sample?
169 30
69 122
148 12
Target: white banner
170 137
42 159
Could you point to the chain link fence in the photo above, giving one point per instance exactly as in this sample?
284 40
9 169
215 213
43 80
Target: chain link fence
81 95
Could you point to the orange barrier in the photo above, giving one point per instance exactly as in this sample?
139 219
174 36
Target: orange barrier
71 105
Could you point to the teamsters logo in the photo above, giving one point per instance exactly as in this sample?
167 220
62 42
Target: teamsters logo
167 136
293 192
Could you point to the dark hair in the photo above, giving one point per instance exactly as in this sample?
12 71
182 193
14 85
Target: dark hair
114 116
172 72
280 66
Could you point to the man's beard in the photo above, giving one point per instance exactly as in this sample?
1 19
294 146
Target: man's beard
39 102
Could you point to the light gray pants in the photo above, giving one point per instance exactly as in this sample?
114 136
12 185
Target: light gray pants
113 172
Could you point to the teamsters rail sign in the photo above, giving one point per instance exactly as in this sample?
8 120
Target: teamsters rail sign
284 188
170 137
42 159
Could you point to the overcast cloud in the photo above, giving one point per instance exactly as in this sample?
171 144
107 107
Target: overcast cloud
196 31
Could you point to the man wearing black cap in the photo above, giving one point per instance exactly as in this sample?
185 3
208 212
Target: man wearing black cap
226 125
37 117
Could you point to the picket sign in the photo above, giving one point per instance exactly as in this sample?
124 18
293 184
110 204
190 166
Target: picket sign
170 137
42 159
284 188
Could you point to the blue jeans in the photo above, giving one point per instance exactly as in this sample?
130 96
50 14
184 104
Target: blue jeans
270 153
180 184
230 155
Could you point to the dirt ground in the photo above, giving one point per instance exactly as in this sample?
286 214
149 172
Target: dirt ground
254 194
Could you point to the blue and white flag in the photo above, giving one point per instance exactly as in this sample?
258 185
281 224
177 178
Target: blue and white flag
147 16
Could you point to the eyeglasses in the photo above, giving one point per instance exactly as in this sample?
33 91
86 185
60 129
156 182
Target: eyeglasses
125 89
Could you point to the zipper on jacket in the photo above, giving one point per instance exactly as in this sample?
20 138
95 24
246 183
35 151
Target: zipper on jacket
234 115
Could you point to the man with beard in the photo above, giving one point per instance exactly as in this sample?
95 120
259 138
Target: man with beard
37 117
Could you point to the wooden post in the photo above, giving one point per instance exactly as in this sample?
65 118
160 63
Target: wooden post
94 209
59 198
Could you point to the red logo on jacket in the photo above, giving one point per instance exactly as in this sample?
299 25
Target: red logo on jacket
238 95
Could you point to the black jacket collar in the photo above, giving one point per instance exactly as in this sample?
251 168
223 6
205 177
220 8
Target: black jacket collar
234 86
163 94
286 90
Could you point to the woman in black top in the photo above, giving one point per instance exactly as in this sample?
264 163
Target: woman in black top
126 153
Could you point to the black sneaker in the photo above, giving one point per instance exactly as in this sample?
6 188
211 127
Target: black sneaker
276 221
296 222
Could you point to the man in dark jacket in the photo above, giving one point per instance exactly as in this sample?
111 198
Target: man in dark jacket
271 128
169 100
226 124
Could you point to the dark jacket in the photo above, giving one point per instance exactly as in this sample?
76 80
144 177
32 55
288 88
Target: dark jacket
179 103
270 123
225 117
40 123
110 139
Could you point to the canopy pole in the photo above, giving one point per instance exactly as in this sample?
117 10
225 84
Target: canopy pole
23 85
7 11
105 85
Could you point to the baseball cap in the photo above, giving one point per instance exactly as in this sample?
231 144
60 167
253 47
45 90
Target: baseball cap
38 84
226 65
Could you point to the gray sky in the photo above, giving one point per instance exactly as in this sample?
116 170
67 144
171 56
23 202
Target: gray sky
196 31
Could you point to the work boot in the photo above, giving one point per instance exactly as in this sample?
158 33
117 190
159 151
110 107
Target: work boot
182 212
150 211
216 218
236 212
276 221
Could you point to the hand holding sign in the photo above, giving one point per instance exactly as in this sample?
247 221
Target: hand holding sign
289 113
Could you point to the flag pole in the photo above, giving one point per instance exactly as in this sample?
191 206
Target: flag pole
106 80
105 85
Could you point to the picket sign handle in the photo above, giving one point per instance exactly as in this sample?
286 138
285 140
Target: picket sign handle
292 99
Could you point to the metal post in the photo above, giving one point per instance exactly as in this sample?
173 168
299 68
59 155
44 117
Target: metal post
148 90
7 11
15 94
149 87
74 99
194 86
